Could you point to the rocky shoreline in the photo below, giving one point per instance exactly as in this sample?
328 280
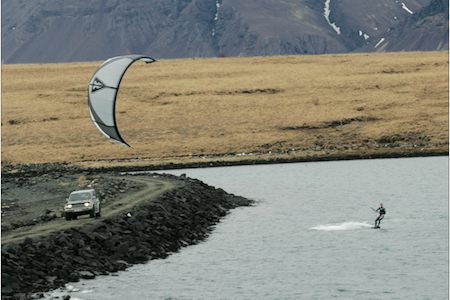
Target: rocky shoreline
151 230
30 170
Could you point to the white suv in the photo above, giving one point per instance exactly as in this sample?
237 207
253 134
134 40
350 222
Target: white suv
83 202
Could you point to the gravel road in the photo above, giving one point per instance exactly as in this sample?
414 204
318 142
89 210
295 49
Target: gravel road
33 207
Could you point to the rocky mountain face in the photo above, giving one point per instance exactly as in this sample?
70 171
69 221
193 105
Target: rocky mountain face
50 31
425 30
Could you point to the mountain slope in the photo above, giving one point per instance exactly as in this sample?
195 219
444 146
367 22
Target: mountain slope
91 30
426 30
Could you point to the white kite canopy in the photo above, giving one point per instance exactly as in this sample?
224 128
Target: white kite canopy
103 91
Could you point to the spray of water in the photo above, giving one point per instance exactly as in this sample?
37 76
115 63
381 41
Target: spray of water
342 226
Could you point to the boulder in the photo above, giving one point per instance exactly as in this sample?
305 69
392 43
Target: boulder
121 248
86 275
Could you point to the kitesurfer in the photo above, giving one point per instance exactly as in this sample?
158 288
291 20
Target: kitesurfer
382 211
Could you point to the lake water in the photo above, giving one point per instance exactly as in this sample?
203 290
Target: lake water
308 237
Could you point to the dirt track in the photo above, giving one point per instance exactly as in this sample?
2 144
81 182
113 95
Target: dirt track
152 187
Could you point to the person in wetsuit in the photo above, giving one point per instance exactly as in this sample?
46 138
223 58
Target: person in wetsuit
382 211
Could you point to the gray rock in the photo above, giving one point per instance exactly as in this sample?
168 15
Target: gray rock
87 275
78 259
121 248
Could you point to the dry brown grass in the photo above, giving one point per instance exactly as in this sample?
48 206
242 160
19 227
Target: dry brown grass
175 108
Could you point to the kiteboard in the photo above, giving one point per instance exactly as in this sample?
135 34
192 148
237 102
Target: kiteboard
376 227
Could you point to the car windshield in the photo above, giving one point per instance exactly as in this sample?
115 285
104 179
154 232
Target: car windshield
80 196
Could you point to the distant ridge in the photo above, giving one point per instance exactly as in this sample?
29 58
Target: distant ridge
55 31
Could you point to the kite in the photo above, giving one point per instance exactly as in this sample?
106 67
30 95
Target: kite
102 94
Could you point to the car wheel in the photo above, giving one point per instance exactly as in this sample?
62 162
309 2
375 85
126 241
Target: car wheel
92 213
99 210
67 216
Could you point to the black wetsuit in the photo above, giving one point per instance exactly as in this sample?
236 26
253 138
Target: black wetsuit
382 211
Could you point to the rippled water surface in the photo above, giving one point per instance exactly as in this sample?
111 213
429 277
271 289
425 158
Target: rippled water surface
309 236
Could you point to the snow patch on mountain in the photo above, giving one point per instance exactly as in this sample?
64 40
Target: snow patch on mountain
382 40
327 16
406 8
216 17
217 11
365 35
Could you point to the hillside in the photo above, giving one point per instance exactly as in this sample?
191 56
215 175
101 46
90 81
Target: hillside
426 30
55 31
184 110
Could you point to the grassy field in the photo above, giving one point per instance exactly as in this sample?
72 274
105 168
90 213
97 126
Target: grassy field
187 109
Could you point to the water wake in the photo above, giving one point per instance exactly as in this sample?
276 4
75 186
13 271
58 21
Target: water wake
342 226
